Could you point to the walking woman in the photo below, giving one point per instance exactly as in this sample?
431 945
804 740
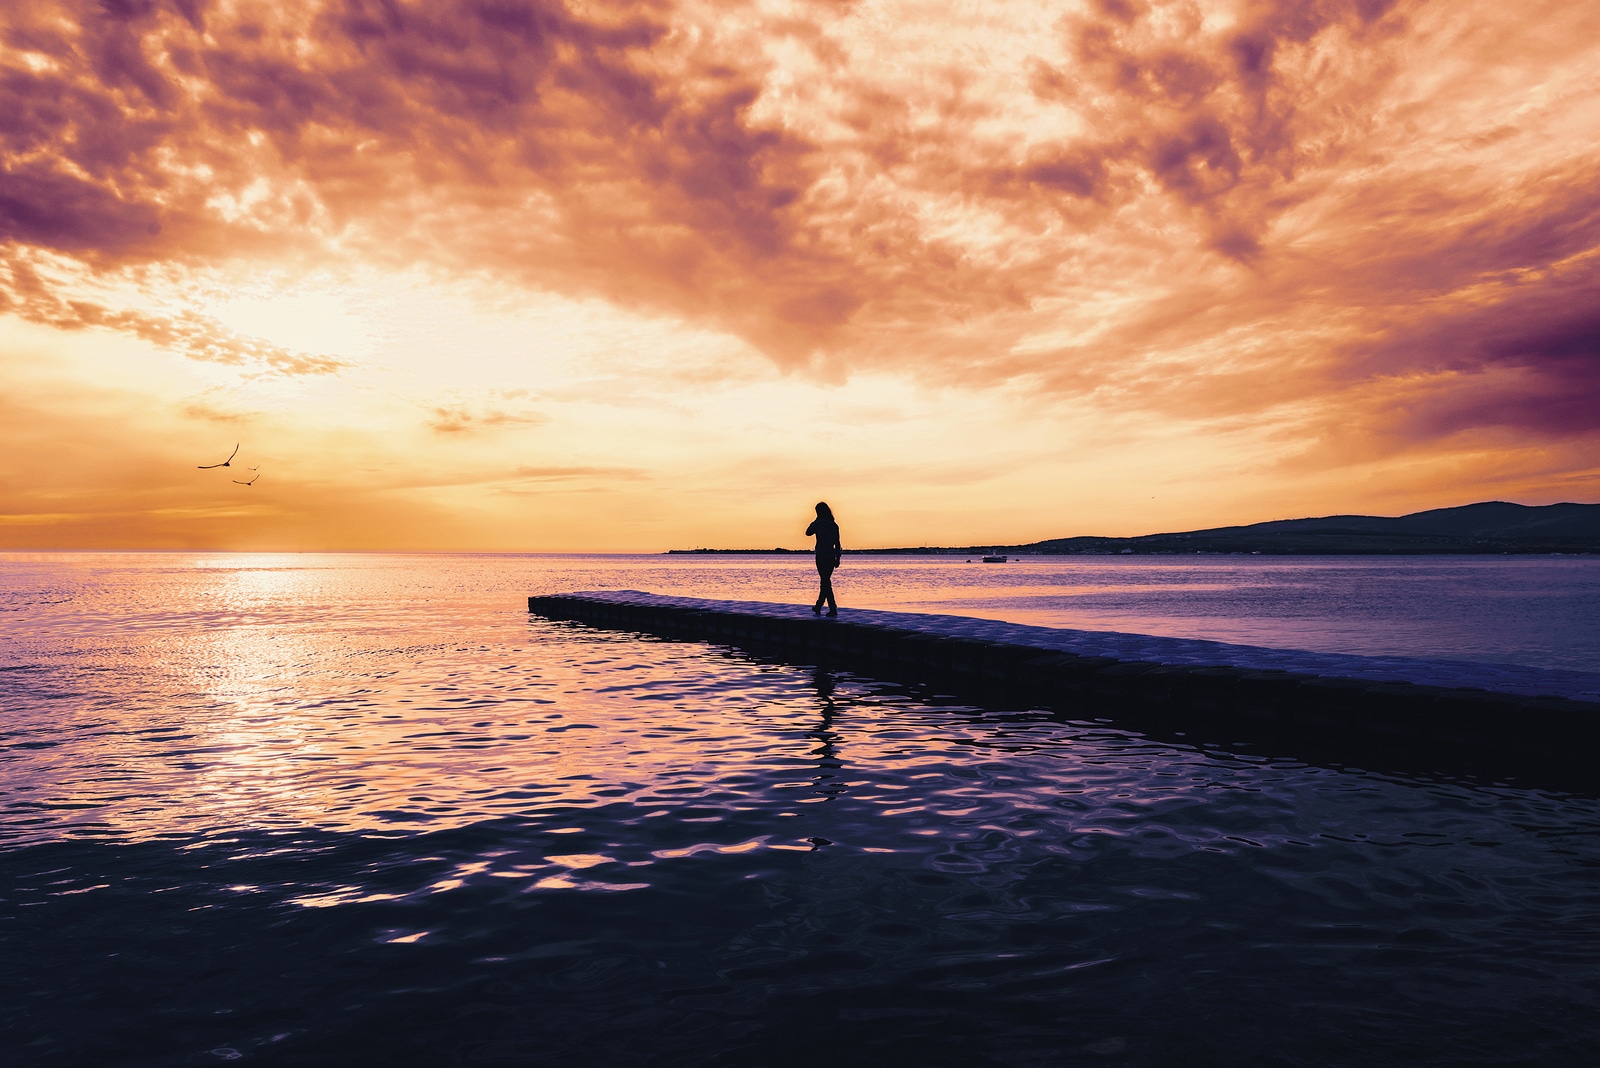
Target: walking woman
828 552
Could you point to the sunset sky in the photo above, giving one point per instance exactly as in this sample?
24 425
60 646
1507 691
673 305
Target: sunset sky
526 275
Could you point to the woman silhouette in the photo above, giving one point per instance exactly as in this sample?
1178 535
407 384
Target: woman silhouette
828 553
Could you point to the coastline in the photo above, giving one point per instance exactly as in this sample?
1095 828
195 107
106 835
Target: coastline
1533 549
1482 529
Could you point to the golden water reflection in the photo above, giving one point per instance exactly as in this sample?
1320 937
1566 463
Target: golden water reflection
156 694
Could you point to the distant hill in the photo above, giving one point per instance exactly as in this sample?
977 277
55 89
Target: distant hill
1489 527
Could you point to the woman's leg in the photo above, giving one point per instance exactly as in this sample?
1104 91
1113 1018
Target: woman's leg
823 590
827 589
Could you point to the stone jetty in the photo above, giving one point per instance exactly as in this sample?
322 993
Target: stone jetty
1397 702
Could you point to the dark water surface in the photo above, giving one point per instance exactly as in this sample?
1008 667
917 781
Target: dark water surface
363 810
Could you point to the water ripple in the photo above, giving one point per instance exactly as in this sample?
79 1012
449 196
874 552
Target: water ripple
441 832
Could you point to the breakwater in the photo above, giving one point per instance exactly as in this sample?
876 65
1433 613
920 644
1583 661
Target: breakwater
1392 712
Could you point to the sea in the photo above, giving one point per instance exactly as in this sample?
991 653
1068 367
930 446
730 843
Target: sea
363 809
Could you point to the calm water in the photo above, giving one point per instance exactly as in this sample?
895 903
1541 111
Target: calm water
363 810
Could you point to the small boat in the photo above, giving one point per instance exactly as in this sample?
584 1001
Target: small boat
994 559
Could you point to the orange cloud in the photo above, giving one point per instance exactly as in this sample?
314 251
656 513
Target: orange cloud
460 420
199 337
1374 215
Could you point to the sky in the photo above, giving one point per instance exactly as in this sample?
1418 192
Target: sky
523 275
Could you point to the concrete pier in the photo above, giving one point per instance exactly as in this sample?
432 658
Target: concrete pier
1401 715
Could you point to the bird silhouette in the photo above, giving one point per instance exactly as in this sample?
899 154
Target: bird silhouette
225 463
252 481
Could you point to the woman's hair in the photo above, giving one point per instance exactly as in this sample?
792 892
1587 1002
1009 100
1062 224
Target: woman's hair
824 510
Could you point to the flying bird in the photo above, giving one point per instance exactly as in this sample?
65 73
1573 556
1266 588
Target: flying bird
225 463
252 481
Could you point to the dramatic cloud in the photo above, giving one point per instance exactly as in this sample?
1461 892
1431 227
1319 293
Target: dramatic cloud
1360 227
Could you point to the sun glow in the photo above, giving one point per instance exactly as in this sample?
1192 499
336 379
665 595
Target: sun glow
985 273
